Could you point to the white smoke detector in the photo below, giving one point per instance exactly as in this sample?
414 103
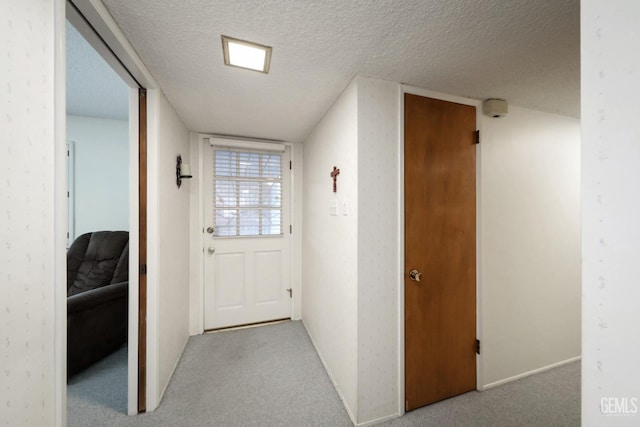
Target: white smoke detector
495 108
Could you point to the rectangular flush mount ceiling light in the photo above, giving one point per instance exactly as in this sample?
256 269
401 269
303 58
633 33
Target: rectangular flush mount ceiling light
244 54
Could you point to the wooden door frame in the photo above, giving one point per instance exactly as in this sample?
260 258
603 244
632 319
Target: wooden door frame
142 251
405 89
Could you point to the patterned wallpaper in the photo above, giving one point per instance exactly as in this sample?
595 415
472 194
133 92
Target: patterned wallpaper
350 304
610 150
377 249
330 244
26 212
173 244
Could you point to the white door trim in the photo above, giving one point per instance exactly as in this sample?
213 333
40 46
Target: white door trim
198 142
196 303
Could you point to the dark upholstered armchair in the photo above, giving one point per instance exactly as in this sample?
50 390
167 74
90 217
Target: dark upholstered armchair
97 297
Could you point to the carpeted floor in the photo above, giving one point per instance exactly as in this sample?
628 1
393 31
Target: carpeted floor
266 376
271 376
551 398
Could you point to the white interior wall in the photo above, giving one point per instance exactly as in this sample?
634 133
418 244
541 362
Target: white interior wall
621 348
168 266
28 391
33 122
377 256
330 245
529 251
610 212
101 173
529 244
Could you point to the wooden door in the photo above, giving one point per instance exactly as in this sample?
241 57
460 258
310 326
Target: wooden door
440 244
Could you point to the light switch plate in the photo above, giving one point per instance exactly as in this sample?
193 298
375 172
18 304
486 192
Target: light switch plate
333 208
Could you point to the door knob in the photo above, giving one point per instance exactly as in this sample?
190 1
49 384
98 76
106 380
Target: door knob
415 275
210 230
211 250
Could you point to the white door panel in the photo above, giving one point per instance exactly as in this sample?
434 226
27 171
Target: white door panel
229 269
267 277
247 279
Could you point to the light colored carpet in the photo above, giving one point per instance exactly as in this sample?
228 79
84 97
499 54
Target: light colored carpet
272 376
99 392
550 398
264 376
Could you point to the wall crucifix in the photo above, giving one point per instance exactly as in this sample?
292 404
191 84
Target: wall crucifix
334 174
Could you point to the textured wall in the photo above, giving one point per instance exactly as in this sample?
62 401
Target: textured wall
377 249
101 173
350 277
525 51
27 213
610 212
174 242
529 246
169 285
330 244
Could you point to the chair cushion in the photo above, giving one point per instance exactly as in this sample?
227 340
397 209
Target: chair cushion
121 273
93 258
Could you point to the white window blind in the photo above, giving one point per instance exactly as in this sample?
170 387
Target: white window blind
247 188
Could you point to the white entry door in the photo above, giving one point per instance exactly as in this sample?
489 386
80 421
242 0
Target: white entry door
247 269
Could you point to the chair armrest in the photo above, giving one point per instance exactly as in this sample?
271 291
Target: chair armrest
94 297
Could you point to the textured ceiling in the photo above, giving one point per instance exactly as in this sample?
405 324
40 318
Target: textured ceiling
93 88
524 51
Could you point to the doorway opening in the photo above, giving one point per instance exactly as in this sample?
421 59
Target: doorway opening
247 266
97 118
107 131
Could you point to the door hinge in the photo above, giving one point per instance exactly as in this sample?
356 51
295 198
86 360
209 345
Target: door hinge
290 292
476 137
143 269
290 229
290 165
477 346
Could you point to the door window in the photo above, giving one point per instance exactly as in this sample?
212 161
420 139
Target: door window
247 188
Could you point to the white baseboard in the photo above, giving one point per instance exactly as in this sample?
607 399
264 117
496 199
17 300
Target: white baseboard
526 374
333 381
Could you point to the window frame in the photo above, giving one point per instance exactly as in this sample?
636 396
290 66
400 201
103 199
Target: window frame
237 179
